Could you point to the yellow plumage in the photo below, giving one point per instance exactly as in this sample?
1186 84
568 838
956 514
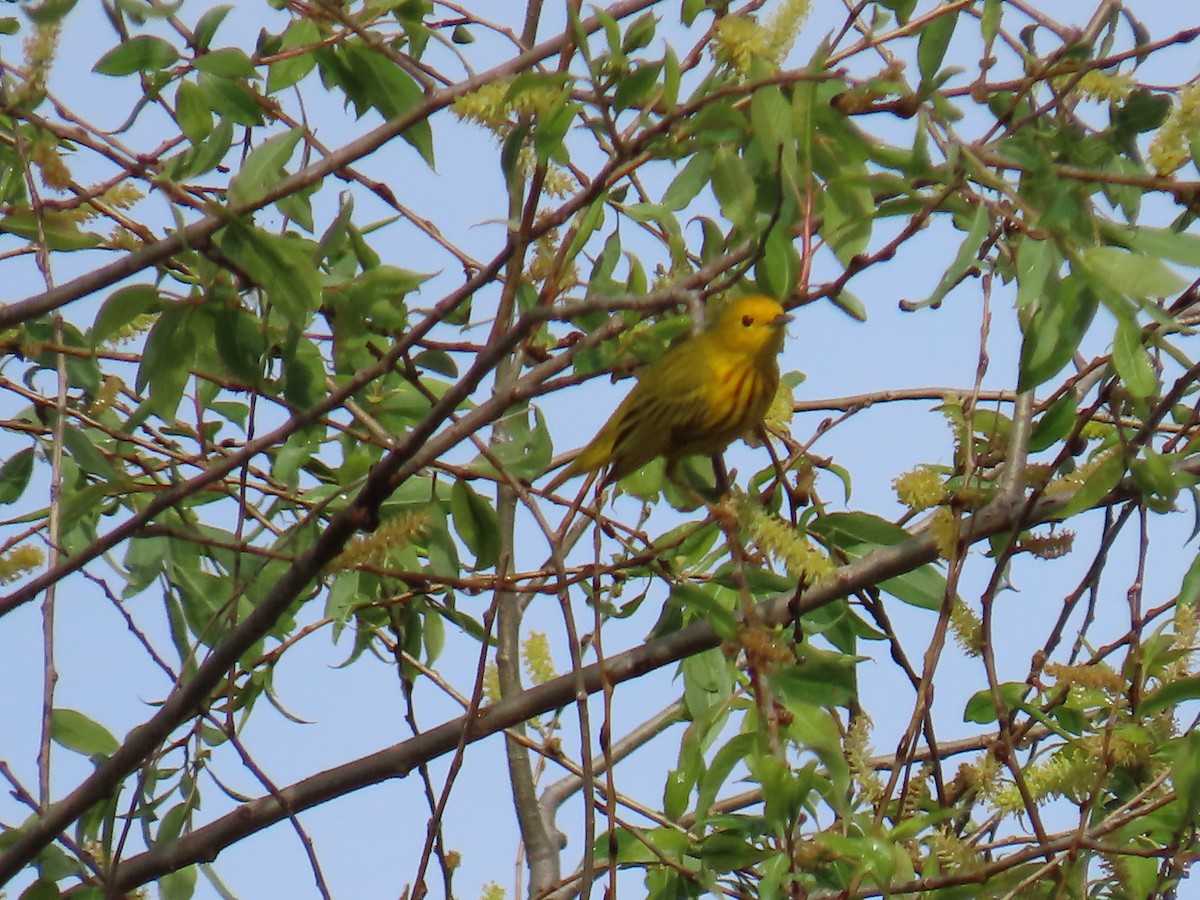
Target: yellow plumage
697 398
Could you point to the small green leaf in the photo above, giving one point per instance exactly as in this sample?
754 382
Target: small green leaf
263 168
228 62
692 179
933 44
771 121
178 885
192 112
121 308
1170 696
72 729
87 455
15 474
281 264
288 70
1185 775
1035 262
476 523
1053 334
1132 361
1189 590
965 258
167 359
1055 423
1098 484
981 709
208 24
1181 247
1134 274
144 53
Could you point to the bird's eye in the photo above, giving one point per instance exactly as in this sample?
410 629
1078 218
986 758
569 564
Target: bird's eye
747 321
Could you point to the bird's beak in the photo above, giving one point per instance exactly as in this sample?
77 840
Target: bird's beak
782 319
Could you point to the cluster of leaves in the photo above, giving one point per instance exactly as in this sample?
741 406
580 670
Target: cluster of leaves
257 426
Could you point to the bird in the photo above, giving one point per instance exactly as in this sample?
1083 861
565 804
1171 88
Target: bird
696 399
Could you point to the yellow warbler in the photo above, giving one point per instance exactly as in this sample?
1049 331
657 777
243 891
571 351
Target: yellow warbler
697 398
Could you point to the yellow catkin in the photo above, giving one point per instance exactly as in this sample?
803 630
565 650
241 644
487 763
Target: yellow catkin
492 891
739 40
857 746
372 549
491 107
40 47
784 26
786 544
1097 85
20 561
944 527
535 652
1096 675
1170 149
1048 546
491 683
697 398
920 488
966 627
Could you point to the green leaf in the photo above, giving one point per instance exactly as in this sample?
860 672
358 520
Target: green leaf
733 186
204 156
933 44
1098 484
771 121
526 454
824 678
692 179
282 265
586 222
779 267
849 208
15 474
192 111
144 53
228 62
1189 590
1180 247
285 72
982 711
1035 262
263 168
208 24
87 456
121 308
1053 334
232 99
56 232
966 256
1132 362
1171 695
723 762
476 523
1134 274
72 729
372 81
1055 423
1185 775
167 359
990 23
178 885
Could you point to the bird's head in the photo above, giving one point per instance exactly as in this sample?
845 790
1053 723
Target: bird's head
752 325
